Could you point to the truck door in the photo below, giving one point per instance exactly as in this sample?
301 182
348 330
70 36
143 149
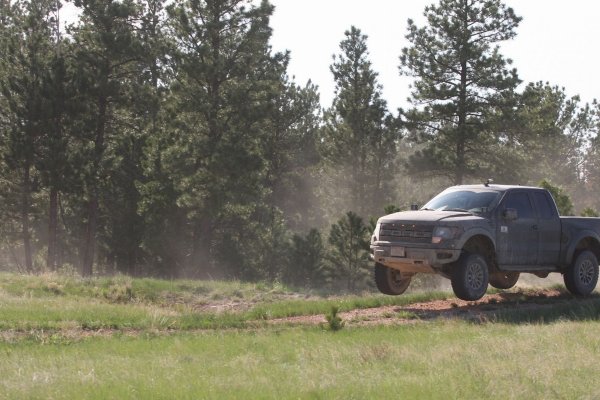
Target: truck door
517 240
549 227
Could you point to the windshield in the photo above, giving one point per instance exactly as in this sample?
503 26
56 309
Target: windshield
473 201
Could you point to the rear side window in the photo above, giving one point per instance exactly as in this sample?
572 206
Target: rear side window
520 202
545 206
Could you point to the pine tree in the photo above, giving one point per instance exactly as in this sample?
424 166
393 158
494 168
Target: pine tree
306 256
107 53
349 254
53 161
127 227
161 218
360 135
543 129
460 78
290 152
225 75
26 57
562 199
553 127
592 160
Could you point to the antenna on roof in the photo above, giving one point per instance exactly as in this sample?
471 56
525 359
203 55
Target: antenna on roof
487 183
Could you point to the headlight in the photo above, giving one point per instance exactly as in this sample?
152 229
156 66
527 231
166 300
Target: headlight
441 233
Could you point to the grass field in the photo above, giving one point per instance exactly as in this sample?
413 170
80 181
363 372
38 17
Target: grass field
118 338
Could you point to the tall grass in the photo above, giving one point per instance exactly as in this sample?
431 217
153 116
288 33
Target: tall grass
293 308
574 310
66 338
126 289
442 360
54 302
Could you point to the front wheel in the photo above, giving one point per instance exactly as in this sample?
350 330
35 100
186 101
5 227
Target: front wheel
581 276
390 281
470 277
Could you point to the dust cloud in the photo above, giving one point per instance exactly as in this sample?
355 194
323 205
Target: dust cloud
427 283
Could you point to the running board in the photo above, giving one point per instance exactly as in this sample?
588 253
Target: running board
529 268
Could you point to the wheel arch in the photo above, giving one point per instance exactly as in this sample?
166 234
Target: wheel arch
587 240
480 242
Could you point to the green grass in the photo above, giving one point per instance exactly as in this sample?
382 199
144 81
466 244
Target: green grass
292 308
574 310
119 338
27 314
53 302
435 361
24 314
121 289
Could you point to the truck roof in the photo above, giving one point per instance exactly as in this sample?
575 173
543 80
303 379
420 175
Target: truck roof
494 186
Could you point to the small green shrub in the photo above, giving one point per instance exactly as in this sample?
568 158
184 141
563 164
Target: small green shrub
589 212
119 292
334 321
562 199
54 288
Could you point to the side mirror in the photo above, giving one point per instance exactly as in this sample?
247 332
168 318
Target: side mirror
510 214
414 207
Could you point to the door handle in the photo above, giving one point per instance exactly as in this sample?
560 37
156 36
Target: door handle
534 227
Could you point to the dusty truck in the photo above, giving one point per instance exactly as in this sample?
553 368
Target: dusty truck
477 235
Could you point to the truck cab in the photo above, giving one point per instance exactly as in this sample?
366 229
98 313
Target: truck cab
477 235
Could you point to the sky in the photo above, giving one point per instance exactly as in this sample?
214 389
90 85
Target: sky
556 41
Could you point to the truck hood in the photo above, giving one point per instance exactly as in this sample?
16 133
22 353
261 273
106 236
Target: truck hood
427 216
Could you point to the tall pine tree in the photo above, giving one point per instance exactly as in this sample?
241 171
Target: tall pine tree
360 135
107 52
224 77
460 77
290 151
27 48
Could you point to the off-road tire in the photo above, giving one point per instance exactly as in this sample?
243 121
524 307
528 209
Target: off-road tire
470 277
581 276
390 281
504 280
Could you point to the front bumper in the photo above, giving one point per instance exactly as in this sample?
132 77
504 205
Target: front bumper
408 259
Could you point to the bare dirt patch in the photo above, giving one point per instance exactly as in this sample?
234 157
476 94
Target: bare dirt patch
452 308
228 304
480 310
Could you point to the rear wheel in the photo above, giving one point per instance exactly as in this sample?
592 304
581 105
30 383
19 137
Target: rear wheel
470 277
581 276
504 280
390 281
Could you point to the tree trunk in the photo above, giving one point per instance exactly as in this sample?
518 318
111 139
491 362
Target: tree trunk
462 127
363 182
52 229
25 203
462 106
90 234
201 255
90 237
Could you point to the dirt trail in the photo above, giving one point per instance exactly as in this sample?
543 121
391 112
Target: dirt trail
451 308
432 310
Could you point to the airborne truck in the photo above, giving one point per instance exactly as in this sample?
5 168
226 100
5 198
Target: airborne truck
477 235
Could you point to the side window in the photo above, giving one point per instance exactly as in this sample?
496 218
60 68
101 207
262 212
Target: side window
544 204
520 202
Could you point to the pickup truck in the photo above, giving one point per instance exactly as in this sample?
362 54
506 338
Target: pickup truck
477 235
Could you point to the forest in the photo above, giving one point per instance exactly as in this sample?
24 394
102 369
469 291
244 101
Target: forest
166 138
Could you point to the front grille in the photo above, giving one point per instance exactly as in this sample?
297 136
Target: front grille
408 233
